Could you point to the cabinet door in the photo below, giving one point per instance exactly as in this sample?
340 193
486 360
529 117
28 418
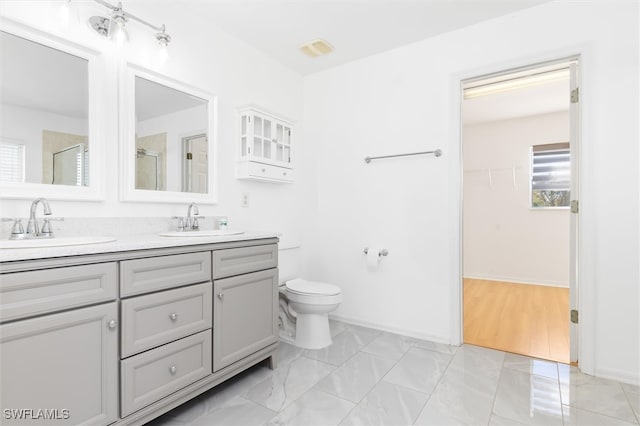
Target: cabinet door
61 369
245 312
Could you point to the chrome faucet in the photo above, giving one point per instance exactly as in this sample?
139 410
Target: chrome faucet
191 222
33 229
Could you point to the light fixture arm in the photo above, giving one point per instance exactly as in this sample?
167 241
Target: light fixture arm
128 15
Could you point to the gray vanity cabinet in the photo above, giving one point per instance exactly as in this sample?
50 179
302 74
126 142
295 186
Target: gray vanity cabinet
121 338
66 363
245 311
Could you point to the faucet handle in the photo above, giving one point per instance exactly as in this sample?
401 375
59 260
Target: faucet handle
194 222
180 226
17 230
47 230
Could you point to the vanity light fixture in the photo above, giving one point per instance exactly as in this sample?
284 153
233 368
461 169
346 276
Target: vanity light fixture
114 26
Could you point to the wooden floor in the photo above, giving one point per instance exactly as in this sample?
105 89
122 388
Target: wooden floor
525 319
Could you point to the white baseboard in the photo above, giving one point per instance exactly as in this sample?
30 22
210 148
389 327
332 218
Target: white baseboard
633 378
404 332
517 280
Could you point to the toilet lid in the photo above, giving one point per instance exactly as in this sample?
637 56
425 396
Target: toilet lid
312 287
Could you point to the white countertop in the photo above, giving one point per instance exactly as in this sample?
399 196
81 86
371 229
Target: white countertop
125 243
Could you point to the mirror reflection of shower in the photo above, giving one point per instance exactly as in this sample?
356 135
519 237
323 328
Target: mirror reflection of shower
148 169
71 166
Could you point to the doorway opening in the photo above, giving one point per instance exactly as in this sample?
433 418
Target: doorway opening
519 149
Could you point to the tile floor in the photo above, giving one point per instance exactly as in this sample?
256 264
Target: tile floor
369 377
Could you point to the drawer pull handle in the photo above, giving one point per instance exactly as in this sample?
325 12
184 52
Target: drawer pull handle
220 296
173 316
173 369
112 324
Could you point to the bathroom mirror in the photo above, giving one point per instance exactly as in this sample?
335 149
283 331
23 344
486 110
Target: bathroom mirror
49 138
168 152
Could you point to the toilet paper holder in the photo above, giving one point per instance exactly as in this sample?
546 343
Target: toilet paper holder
383 252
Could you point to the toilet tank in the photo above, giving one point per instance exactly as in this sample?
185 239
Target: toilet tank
288 262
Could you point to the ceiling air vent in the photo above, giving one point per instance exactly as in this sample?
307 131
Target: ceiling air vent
316 48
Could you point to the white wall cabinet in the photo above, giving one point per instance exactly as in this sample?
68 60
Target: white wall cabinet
61 368
265 147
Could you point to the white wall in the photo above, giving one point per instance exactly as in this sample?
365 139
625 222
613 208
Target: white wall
211 60
26 126
504 239
404 100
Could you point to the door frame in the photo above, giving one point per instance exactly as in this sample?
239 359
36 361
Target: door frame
585 247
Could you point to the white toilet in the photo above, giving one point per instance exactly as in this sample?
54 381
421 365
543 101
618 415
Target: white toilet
304 305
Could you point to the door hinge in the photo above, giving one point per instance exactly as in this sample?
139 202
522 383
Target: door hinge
574 316
575 95
575 206
189 156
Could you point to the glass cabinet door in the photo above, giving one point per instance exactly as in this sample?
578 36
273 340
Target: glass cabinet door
265 139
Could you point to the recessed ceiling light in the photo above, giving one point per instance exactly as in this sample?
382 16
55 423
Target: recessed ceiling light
316 48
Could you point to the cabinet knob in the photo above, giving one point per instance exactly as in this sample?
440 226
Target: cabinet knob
284 173
112 324
264 170
173 369
173 316
220 296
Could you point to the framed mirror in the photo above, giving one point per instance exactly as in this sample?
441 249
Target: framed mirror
168 150
50 138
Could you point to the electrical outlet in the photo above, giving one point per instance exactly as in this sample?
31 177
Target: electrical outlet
245 200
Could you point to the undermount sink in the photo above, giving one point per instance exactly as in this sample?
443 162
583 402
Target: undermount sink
54 242
208 233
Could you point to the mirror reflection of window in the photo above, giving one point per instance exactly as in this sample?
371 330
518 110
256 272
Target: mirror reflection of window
11 161
166 120
44 96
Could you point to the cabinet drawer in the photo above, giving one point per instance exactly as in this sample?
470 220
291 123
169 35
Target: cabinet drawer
152 375
238 261
157 273
155 319
267 172
32 293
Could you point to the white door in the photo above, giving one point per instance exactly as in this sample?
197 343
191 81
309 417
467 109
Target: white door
195 164
574 143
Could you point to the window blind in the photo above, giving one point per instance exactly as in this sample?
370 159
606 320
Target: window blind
551 167
11 162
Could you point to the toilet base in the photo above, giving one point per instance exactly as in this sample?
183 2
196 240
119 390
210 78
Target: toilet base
312 331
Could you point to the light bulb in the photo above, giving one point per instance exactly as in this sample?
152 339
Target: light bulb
163 40
120 35
64 12
118 21
163 53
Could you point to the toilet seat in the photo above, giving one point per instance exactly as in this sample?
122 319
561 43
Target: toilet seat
312 288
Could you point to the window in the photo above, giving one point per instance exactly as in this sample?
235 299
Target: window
11 162
550 175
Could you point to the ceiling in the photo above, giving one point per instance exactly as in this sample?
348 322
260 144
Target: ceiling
355 28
